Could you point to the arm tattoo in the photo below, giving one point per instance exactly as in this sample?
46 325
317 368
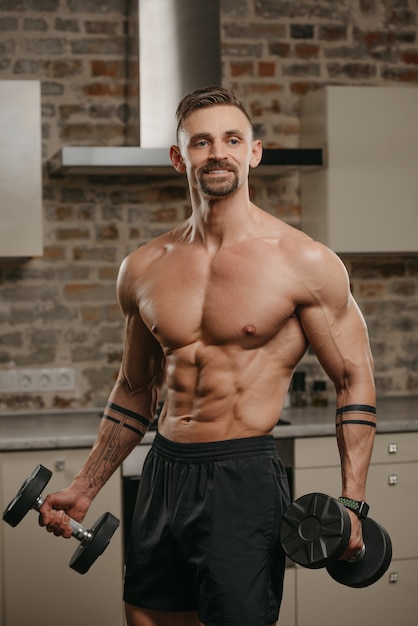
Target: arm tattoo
355 408
109 459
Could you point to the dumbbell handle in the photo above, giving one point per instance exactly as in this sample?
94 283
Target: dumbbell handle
358 555
77 530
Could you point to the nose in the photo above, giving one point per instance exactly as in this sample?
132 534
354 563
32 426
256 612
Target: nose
218 150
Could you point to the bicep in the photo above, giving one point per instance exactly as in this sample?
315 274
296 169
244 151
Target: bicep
338 335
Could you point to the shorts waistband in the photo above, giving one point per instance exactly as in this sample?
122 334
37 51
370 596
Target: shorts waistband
213 450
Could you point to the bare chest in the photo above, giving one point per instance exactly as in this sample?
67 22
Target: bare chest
242 300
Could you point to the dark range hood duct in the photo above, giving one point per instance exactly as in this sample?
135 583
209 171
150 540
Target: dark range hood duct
174 49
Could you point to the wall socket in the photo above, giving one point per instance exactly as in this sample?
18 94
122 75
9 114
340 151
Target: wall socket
43 379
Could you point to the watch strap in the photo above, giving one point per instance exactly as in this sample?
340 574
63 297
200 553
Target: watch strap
359 507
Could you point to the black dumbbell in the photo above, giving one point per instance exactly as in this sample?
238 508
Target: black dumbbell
93 542
315 531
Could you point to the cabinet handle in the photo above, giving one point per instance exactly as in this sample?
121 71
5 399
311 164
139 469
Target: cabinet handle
60 465
393 479
393 577
392 448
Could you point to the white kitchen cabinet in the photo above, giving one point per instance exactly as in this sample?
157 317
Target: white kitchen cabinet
36 583
392 489
21 214
364 199
287 615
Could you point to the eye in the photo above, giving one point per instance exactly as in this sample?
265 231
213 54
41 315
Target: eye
200 143
234 141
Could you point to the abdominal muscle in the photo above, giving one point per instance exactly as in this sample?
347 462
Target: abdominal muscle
216 393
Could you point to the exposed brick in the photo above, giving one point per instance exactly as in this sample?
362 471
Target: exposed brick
64 234
8 24
244 68
301 31
103 254
266 69
410 57
401 75
54 253
279 49
87 133
67 25
82 292
104 90
107 232
351 70
111 69
333 32
34 24
307 51
101 27
49 46
66 68
31 67
99 45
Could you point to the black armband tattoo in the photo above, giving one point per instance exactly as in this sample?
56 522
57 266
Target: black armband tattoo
355 408
113 449
126 415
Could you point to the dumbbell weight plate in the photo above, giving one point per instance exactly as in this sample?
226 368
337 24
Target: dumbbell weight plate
315 530
372 565
91 548
27 495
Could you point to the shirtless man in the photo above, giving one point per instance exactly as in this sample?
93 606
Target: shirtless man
220 310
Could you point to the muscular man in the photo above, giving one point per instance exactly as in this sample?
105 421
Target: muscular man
220 310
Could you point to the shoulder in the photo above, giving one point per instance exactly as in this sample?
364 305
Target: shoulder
135 268
318 272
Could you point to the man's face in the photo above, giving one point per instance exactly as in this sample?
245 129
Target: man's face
217 147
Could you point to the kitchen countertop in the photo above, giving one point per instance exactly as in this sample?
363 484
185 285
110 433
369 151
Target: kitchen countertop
55 429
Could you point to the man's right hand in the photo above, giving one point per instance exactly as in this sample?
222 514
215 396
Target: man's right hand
57 509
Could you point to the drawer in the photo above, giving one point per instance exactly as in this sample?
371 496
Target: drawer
395 448
388 448
316 452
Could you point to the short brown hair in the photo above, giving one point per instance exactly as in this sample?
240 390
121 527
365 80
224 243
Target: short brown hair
207 97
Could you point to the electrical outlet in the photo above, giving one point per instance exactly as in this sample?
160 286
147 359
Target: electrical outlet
64 379
8 381
44 379
27 380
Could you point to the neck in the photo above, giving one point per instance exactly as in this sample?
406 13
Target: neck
219 222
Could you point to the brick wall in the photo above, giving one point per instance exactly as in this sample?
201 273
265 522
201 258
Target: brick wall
60 310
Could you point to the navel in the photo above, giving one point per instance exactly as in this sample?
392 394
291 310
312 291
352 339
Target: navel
249 329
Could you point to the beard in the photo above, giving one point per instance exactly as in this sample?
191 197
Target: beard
219 187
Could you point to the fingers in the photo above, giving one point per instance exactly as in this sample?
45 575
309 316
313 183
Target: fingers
56 522
355 548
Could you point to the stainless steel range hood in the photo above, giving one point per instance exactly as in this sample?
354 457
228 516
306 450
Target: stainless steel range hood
174 49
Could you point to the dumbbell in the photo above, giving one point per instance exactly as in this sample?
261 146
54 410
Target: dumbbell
93 542
315 531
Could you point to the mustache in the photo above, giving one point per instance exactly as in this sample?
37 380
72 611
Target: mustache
215 164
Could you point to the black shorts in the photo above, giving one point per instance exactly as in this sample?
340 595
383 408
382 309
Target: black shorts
205 531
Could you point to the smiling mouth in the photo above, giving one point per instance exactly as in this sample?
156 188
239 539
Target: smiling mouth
217 171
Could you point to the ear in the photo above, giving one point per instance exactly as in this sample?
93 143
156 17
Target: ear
177 159
256 153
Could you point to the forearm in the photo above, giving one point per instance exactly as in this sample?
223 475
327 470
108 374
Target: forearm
355 430
121 429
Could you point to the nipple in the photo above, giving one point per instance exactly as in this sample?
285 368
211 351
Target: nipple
249 329
154 329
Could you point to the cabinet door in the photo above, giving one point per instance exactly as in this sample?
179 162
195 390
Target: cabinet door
324 602
287 615
392 494
39 586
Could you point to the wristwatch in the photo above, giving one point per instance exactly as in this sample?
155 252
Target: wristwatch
361 508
